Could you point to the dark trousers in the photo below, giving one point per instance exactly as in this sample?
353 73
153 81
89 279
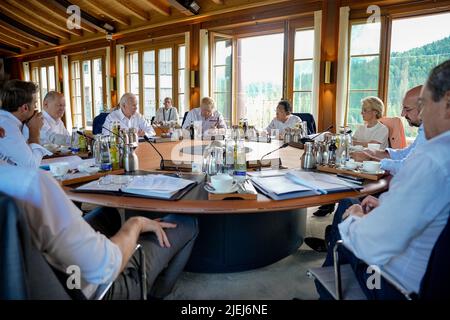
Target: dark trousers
386 291
163 265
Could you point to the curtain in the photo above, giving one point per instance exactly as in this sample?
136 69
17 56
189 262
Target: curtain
204 63
316 63
66 91
342 68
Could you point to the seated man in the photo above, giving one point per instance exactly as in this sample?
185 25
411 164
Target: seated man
128 117
59 231
373 131
168 113
206 114
53 130
397 232
21 124
392 159
283 119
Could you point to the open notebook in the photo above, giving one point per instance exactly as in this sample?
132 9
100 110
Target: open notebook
288 184
156 186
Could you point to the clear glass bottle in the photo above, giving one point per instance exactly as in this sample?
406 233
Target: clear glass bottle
74 142
114 151
240 161
105 164
229 156
96 152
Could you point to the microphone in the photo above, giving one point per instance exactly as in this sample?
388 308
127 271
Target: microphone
85 135
284 145
161 164
303 140
117 135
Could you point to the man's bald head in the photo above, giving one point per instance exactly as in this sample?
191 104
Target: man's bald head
410 108
54 104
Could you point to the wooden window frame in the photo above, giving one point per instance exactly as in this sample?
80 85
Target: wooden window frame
81 58
46 63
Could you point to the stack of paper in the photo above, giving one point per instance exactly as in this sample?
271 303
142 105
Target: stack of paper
288 184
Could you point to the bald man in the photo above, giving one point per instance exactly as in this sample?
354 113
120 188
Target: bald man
128 117
392 159
53 130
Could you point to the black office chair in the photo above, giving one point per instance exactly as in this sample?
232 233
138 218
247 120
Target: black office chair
184 118
99 120
341 283
309 118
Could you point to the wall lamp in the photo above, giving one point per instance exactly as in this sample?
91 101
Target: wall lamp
328 72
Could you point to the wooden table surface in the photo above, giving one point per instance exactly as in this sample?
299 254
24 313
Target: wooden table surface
149 160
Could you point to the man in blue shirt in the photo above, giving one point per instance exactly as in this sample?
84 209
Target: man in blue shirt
397 232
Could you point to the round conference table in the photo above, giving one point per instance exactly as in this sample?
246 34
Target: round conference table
234 234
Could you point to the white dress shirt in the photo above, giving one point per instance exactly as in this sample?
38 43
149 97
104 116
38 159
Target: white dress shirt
397 156
163 115
136 121
216 120
54 131
399 235
14 145
276 124
378 132
58 229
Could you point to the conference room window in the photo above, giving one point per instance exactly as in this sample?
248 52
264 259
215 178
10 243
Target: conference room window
417 45
149 82
222 76
165 75
87 90
260 77
303 70
364 62
132 74
43 74
181 79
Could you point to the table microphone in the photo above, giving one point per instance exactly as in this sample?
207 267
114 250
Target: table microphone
161 164
117 135
303 140
84 135
284 145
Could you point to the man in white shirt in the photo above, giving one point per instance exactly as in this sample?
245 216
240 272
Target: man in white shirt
22 124
166 114
284 119
397 232
207 114
53 130
128 117
392 159
59 231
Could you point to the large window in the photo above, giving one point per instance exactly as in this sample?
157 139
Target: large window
303 71
260 77
44 75
363 68
222 75
417 45
87 90
150 75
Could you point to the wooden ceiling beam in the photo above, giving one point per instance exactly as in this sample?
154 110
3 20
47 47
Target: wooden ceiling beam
26 19
134 10
4 47
26 31
217 1
17 36
160 7
36 12
10 41
86 18
107 13
55 11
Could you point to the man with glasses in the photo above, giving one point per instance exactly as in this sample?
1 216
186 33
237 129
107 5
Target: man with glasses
392 159
22 124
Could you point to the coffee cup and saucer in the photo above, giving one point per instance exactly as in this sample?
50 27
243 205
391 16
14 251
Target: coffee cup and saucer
371 167
221 184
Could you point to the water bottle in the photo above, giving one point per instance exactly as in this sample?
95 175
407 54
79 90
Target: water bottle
229 156
96 152
114 151
74 142
240 162
105 164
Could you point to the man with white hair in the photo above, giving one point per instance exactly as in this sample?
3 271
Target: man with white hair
128 117
53 130
207 115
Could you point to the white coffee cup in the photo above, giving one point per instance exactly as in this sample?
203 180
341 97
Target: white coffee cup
59 169
374 146
222 182
351 164
371 166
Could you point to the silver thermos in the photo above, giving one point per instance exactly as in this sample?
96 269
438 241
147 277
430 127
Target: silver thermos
308 160
130 159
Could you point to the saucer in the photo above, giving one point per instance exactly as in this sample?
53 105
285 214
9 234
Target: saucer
372 172
233 189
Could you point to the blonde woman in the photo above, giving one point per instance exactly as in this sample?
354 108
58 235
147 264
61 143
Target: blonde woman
373 131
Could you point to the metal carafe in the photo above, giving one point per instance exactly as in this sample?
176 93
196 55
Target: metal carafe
308 160
287 135
130 159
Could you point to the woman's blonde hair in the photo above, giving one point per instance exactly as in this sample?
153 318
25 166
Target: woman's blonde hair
375 104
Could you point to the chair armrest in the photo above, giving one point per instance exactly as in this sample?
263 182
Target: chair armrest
142 271
337 269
